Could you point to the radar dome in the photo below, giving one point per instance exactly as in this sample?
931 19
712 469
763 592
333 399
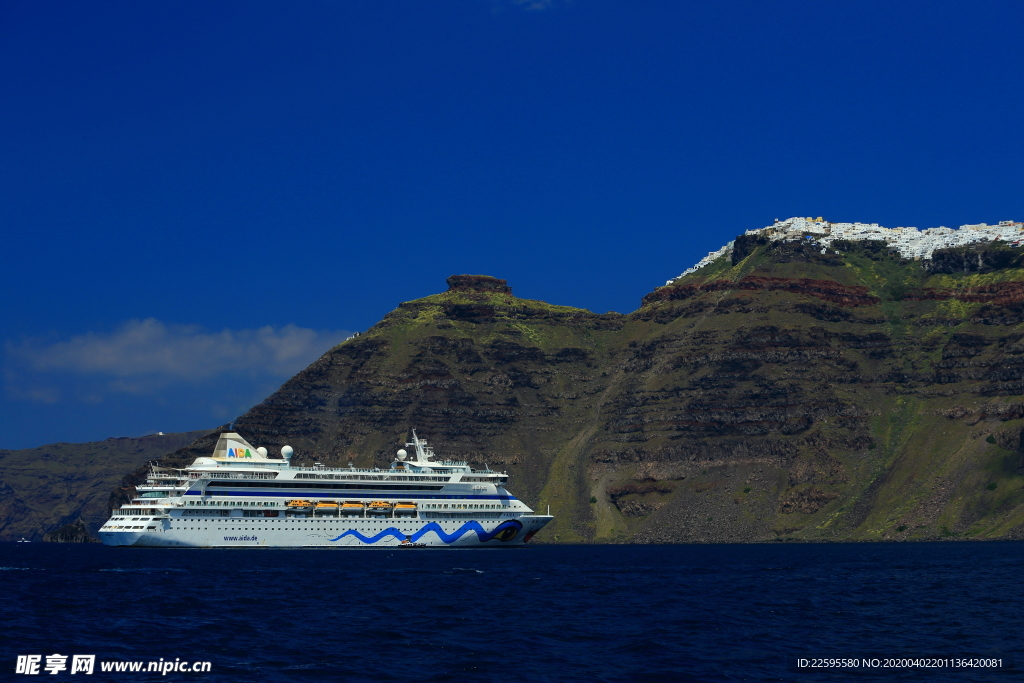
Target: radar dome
287 452
402 455
262 451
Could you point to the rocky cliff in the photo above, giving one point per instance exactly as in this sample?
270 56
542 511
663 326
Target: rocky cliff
46 488
783 393
75 532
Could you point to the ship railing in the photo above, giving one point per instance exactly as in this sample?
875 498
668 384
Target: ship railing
238 475
378 470
339 469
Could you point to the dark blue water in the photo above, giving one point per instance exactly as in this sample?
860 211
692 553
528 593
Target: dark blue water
541 613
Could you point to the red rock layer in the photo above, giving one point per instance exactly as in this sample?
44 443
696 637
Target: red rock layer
999 293
843 295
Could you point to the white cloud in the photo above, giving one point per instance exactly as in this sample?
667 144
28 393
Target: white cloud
142 354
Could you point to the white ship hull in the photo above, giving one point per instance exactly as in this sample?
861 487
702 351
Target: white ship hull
331 533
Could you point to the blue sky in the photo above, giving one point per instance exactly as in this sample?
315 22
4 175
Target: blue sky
197 199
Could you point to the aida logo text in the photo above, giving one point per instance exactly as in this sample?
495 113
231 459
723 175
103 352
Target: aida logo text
239 453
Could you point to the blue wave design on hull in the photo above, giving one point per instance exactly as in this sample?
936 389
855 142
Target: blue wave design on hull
481 534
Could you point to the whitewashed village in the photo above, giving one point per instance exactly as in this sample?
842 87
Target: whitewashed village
911 243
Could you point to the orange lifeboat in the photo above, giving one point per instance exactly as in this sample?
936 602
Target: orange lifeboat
379 508
405 509
352 507
327 507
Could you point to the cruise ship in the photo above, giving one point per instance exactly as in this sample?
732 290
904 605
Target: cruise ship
239 497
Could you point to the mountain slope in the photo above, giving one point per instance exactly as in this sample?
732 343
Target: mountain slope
778 393
45 488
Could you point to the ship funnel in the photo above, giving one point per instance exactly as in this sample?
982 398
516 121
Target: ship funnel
232 445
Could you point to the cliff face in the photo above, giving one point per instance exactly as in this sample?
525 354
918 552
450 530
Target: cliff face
982 258
481 374
787 395
43 489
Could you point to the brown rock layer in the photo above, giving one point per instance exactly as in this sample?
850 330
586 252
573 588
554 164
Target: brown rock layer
478 283
821 289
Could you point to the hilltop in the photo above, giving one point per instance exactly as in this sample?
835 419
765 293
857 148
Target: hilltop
909 243
781 391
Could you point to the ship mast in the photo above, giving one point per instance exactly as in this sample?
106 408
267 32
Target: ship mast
421 455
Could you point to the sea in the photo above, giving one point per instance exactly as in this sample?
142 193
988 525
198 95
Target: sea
590 613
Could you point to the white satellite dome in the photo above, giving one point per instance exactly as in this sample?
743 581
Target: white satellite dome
262 451
402 455
287 452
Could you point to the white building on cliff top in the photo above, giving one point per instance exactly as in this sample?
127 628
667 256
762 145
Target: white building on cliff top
911 243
